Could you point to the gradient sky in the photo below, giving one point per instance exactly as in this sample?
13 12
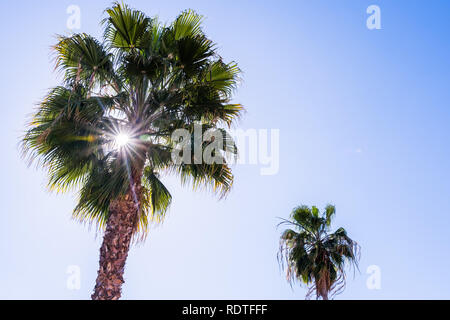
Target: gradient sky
364 124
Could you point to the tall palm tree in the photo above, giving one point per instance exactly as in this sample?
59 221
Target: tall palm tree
108 130
312 255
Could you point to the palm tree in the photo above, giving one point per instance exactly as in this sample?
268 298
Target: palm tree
313 255
108 130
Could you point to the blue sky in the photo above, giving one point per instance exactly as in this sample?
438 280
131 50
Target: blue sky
363 118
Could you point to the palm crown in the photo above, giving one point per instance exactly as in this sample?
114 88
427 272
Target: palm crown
144 80
313 255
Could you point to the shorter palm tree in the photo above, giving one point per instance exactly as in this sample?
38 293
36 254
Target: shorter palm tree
312 255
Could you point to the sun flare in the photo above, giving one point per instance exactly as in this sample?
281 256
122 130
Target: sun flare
121 140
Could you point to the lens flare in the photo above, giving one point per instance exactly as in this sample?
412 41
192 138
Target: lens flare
122 140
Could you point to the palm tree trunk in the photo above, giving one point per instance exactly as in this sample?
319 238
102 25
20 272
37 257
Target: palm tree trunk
120 227
321 289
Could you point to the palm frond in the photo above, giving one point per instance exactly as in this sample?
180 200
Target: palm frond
126 28
82 59
187 24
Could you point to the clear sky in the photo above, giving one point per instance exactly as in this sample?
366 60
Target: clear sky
364 124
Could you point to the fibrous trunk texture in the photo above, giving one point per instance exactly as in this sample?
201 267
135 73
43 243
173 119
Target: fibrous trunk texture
323 287
120 227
